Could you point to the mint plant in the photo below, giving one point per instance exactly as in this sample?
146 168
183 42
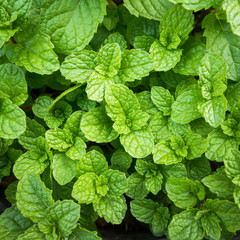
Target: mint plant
113 109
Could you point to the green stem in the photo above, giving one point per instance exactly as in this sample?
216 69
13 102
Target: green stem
62 95
112 3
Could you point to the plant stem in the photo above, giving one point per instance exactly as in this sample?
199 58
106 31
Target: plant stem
62 95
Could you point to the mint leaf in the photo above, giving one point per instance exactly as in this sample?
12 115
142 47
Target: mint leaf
221 41
33 198
81 233
64 168
211 225
219 184
69 37
92 161
135 64
143 42
33 131
13 223
84 189
163 99
138 143
232 9
116 38
97 126
117 183
65 215
143 209
185 226
232 163
43 60
136 186
163 58
226 211
195 5
177 21
121 160
185 108
12 119
116 96
13 84
151 9
111 209
193 51
219 144
78 67
28 163
41 105
184 192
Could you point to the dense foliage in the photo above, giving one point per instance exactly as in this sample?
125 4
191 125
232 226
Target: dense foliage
103 103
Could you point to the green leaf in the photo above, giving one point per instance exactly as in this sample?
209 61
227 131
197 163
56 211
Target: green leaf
196 145
78 67
64 168
154 182
137 119
28 163
174 171
150 9
184 192
163 99
120 101
33 131
232 9
117 183
10 192
198 168
135 65
41 105
13 84
164 154
228 213
184 226
138 143
143 42
177 21
160 220
72 124
160 123
195 5
236 195
219 144
12 119
59 139
92 161
110 56
232 163
212 72
33 233
84 189
143 209
136 186
210 224
97 126
65 215
219 184
36 56
121 160
185 108
33 198
97 85
59 21
13 223
221 41
193 51
81 233
163 58
116 38
146 104
77 150
113 210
